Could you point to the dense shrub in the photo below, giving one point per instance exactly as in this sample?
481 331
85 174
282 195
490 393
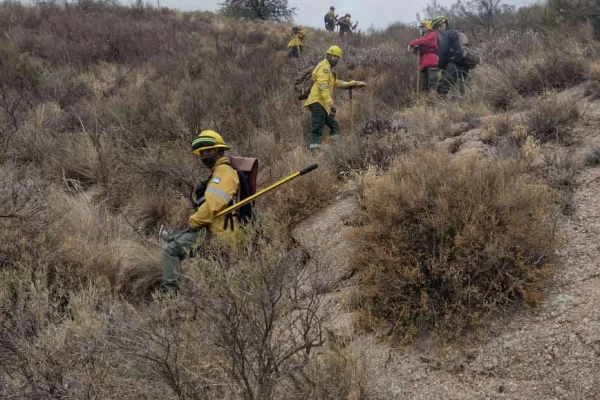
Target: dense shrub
447 245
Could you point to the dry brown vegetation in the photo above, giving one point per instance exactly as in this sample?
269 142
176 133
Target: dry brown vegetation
98 105
446 243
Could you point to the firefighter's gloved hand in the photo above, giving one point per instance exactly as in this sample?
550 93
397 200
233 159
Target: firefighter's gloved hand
200 189
198 202
333 112
360 84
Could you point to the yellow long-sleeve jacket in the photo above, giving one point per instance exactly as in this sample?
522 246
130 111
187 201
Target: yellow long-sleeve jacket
297 41
221 191
324 82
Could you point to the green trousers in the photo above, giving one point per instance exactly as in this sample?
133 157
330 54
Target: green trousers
179 246
453 76
319 118
428 81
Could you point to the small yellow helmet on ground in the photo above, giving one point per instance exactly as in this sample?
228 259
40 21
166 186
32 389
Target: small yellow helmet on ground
335 51
208 140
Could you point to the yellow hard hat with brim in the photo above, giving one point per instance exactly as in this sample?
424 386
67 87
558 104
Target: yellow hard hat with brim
208 140
335 51
438 21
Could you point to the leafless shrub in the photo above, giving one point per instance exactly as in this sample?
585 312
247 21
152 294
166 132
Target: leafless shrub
22 197
18 91
261 326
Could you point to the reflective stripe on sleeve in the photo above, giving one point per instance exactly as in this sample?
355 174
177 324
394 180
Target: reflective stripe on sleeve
218 192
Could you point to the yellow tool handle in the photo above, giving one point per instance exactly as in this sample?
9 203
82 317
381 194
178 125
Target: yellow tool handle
248 199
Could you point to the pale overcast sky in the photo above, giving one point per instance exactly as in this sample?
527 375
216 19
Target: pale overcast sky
377 13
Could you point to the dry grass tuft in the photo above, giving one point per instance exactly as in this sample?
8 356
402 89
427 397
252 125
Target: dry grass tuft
102 245
551 116
304 196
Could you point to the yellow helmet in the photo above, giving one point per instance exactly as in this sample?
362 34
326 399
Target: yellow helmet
208 140
335 51
438 21
426 24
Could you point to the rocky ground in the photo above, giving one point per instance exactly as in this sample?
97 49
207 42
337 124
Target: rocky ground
552 352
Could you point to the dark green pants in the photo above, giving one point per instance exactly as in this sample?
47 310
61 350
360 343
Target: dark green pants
319 118
453 76
428 81
179 246
295 52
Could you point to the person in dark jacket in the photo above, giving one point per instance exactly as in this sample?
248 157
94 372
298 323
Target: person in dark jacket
427 47
331 19
345 24
454 70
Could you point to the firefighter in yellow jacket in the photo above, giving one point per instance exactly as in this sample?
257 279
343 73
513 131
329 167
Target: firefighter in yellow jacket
296 44
221 191
320 100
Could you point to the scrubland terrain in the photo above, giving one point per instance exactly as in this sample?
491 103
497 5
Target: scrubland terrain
446 250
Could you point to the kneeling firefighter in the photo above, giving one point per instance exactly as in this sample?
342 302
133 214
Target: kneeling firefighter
222 191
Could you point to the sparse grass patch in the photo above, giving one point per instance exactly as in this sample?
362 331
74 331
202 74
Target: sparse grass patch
447 246
561 173
303 197
551 116
353 154
555 69
549 67
496 128
446 119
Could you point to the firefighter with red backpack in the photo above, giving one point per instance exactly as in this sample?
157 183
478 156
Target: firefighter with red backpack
221 191
223 204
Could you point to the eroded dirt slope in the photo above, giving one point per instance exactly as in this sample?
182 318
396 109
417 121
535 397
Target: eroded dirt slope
552 352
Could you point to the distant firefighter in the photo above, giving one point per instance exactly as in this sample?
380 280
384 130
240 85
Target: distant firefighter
296 44
331 19
345 25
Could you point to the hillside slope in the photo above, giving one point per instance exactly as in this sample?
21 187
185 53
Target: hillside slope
550 352
98 106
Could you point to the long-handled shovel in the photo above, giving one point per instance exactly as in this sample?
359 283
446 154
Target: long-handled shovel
163 233
248 199
418 70
351 113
